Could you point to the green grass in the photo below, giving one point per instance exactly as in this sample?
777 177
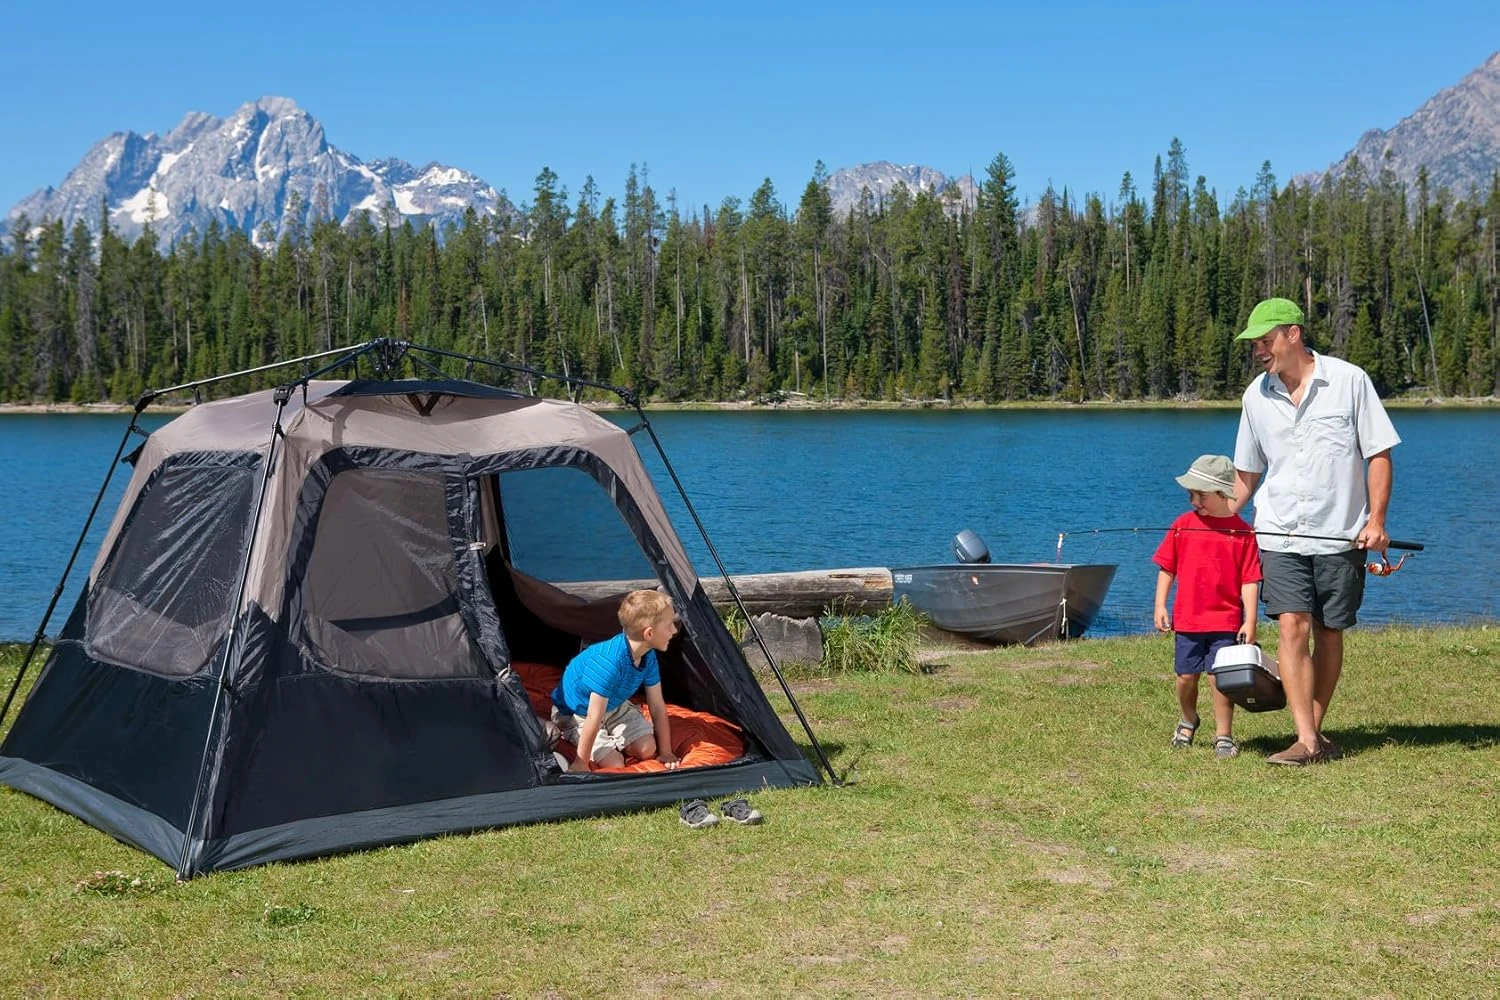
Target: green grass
888 641
1016 825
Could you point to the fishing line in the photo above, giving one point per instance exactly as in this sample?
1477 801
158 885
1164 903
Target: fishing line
1382 568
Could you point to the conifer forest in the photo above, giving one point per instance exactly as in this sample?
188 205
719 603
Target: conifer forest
918 296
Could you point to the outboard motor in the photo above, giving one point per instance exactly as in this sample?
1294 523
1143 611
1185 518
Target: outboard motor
970 548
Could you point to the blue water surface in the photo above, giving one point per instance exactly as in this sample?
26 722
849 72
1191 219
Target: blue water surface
802 490
796 490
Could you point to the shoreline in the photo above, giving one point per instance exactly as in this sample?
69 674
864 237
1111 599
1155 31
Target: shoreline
837 406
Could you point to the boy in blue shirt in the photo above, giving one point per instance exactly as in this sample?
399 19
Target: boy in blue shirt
591 705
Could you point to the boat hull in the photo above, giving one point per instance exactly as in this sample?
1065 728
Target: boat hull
1009 603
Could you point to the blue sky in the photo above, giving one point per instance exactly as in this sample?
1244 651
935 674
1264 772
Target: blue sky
714 98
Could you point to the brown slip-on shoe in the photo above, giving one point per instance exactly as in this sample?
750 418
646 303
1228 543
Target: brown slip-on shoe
1295 755
1329 750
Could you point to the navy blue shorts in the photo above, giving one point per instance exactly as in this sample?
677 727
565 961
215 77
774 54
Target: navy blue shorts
1195 650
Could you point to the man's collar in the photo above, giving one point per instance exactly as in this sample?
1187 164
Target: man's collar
1274 384
1320 370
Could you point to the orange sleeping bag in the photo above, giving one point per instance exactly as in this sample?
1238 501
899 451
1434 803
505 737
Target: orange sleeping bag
698 738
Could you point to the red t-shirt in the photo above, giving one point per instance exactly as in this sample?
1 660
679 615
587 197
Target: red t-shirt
1210 564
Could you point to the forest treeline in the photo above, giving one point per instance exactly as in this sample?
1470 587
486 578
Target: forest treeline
917 296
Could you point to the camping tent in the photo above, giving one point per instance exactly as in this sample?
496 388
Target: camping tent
305 628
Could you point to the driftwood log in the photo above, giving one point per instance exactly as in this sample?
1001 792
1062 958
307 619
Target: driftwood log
802 594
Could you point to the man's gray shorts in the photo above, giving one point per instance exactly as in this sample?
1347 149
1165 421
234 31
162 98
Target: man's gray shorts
1331 587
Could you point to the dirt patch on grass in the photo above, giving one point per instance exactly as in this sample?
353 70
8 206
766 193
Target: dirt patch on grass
1187 860
1056 664
1426 918
811 685
1078 876
1071 680
963 703
810 960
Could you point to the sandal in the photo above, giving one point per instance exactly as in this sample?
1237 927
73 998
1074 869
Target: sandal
697 815
1182 736
1225 746
740 811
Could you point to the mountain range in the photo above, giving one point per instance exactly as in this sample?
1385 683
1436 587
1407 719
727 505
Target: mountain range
269 166
264 168
1455 135
847 183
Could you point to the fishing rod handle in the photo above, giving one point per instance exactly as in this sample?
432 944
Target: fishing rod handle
1410 546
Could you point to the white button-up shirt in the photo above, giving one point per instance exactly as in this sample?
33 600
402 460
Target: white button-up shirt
1313 455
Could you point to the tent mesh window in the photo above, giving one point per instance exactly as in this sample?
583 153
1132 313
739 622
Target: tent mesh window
561 526
380 596
163 601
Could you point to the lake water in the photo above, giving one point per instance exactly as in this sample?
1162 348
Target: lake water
808 490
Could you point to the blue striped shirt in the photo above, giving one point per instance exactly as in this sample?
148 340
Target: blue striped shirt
604 668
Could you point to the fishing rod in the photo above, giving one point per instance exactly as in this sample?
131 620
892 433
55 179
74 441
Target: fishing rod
1382 568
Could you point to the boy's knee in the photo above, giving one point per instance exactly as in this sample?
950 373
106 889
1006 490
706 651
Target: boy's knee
643 748
611 758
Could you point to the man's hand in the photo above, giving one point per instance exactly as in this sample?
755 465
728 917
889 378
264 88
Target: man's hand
670 759
1373 537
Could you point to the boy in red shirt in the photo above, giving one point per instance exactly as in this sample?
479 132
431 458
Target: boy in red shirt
1212 555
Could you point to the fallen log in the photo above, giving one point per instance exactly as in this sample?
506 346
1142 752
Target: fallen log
800 594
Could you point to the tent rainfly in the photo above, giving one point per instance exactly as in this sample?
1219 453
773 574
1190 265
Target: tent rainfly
304 630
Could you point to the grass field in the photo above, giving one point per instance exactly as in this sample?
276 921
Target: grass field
1015 824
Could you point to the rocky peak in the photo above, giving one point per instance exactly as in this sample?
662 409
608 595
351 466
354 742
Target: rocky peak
1455 135
255 167
881 177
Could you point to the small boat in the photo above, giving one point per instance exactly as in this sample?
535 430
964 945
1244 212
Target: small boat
1011 603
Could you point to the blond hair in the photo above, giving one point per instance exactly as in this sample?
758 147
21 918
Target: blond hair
641 608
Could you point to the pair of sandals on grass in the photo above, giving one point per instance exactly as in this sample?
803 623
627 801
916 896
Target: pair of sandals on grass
697 815
1182 736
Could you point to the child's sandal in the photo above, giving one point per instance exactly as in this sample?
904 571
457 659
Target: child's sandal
1182 736
1225 746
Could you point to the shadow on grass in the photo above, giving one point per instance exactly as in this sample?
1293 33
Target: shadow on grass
845 760
1361 739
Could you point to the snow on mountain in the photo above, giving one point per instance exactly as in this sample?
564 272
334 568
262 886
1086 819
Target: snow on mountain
881 177
266 167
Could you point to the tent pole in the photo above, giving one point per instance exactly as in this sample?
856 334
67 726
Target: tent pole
735 594
204 785
351 352
41 630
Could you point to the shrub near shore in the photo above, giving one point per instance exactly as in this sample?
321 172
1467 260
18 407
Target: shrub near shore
1015 823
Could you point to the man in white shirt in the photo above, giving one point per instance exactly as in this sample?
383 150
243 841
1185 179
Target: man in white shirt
1313 427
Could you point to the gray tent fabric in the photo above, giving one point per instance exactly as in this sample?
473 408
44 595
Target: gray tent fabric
299 634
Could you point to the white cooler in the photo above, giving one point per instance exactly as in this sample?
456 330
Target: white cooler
1249 677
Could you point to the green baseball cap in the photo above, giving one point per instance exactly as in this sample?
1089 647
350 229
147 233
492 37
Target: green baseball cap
1268 315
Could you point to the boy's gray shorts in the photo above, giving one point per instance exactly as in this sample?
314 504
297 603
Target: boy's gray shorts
621 727
1331 587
